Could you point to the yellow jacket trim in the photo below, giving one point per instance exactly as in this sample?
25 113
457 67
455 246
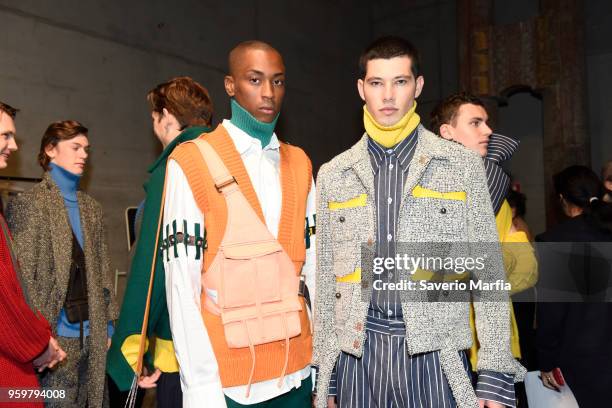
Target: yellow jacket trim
359 201
164 357
421 192
130 347
354 277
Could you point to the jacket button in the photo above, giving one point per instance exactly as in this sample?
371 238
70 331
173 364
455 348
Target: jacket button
445 293
338 295
359 327
442 210
370 241
342 219
356 344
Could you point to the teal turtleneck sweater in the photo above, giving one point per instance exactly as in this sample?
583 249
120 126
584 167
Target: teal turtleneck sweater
68 184
242 119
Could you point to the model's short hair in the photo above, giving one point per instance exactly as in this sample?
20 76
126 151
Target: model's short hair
8 109
186 99
390 47
446 111
55 133
236 53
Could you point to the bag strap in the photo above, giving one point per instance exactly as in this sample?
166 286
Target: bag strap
145 319
223 179
221 176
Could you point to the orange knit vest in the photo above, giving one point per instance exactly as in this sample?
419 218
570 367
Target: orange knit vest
296 176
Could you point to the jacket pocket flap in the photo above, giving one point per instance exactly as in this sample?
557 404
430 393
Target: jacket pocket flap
359 201
422 192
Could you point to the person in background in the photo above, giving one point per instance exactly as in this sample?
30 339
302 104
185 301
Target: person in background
463 118
577 337
61 244
25 338
181 110
518 204
606 177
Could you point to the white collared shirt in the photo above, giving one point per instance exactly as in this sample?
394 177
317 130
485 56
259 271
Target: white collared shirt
198 366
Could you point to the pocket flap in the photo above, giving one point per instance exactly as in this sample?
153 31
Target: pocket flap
251 249
422 192
265 309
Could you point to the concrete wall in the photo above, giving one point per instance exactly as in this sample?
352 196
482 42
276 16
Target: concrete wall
95 60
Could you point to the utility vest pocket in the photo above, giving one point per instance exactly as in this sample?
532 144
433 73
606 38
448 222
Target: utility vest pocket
258 294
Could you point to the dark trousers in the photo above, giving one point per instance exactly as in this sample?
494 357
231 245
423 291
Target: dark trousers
169 392
296 398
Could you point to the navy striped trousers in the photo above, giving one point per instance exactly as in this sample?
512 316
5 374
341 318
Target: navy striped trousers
387 376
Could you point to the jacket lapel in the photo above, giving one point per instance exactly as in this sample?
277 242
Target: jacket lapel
362 166
418 165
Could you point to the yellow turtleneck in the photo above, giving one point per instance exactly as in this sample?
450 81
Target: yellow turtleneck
389 136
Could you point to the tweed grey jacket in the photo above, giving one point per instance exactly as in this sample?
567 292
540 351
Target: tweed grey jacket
345 221
43 242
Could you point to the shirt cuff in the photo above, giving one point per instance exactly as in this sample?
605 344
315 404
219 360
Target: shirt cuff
110 329
211 393
332 390
332 383
497 387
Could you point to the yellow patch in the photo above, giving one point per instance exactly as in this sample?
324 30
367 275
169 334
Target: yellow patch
359 201
354 277
421 192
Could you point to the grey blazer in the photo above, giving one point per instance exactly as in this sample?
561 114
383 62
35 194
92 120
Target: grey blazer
346 220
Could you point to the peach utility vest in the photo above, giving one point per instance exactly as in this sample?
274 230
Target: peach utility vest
258 326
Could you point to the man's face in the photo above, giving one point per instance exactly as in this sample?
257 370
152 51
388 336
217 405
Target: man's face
7 138
258 83
470 128
70 154
389 89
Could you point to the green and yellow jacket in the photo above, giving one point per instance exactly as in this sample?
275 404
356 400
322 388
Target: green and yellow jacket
122 356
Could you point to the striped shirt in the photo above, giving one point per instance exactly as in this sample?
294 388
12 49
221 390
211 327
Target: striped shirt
500 149
390 167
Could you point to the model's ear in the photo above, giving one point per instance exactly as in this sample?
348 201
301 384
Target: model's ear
170 118
446 131
50 151
228 81
420 81
360 88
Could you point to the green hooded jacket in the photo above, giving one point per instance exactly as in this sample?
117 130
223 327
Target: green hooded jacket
124 347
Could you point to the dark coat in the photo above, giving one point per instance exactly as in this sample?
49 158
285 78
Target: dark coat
577 336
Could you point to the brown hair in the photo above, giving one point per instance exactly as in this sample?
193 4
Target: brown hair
8 109
186 99
446 111
390 47
55 133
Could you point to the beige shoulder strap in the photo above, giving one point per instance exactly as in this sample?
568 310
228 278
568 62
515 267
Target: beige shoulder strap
220 174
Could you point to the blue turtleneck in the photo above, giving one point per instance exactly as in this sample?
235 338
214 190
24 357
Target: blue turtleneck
68 184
